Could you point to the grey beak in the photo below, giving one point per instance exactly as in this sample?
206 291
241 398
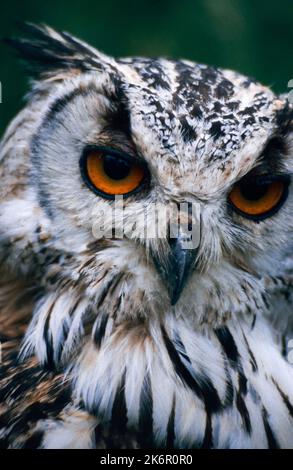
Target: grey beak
182 261
177 267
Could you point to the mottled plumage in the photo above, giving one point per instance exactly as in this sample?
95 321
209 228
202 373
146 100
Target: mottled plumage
95 354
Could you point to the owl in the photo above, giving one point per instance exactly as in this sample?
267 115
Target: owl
132 341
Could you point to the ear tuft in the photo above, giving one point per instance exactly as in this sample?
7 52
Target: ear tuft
50 50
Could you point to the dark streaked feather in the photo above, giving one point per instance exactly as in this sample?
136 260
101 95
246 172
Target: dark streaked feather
119 410
44 52
272 441
200 384
208 435
146 414
171 428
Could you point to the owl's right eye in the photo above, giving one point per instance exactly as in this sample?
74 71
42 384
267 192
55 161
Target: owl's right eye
109 172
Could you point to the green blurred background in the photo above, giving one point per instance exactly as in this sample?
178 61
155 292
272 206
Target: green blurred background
252 36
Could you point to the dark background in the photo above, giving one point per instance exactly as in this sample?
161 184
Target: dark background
254 37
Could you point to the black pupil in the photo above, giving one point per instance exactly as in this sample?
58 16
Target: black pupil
253 191
116 168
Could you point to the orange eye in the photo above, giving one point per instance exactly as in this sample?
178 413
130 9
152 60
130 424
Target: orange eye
110 173
259 198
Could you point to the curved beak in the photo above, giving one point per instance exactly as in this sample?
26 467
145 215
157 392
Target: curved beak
183 262
177 266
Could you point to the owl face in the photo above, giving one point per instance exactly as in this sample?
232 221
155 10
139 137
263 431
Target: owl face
153 130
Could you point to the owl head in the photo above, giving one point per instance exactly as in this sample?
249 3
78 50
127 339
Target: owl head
153 131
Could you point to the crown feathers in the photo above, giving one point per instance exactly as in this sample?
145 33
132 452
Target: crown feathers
50 50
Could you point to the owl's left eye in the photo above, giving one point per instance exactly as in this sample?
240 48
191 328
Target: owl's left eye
109 172
259 197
